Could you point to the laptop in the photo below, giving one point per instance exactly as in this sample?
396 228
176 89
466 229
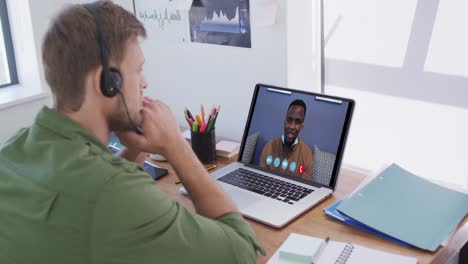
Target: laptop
290 154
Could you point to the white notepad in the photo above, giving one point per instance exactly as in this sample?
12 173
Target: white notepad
337 253
346 253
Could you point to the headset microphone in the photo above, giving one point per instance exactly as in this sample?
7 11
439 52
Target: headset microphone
111 78
137 129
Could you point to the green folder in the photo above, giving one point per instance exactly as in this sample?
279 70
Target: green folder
407 207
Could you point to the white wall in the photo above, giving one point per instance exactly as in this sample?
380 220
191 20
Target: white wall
404 63
189 74
303 29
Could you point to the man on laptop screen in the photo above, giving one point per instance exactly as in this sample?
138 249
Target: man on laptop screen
288 154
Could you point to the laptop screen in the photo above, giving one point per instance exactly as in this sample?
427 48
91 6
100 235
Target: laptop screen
296 134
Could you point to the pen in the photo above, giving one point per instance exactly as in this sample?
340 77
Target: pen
212 166
320 250
197 117
202 109
195 127
214 120
203 127
187 119
188 113
210 123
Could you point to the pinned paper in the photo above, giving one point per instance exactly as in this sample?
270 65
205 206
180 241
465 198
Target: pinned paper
183 4
266 12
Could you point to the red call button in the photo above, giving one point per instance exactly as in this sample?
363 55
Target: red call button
301 168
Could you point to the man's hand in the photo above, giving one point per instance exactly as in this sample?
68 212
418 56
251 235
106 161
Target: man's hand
160 128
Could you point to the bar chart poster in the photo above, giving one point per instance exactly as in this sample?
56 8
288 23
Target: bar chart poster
220 22
166 20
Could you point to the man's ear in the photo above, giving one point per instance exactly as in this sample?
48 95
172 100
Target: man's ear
95 79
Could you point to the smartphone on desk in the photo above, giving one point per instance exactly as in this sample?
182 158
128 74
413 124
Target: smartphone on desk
154 171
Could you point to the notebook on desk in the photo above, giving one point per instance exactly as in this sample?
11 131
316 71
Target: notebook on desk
293 251
290 154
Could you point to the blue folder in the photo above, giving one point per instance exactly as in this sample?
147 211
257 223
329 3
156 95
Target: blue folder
333 213
407 207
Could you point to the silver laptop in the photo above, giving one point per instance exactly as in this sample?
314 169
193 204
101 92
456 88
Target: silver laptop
290 154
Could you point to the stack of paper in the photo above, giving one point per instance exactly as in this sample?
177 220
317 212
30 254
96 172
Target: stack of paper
227 149
407 207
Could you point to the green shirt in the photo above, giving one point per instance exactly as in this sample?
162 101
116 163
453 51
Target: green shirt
64 198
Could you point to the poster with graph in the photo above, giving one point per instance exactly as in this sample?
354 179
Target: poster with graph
221 22
166 20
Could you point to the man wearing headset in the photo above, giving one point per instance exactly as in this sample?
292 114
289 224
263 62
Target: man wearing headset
65 199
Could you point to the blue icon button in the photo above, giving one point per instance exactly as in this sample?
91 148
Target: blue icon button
284 164
269 160
292 166
277 162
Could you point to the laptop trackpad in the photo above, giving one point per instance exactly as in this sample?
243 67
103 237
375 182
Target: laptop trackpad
242 199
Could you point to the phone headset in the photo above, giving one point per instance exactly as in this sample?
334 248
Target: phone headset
111 78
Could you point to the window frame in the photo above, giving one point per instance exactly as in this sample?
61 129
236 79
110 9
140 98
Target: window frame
8 42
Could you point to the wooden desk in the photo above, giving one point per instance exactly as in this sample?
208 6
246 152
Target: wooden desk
314 222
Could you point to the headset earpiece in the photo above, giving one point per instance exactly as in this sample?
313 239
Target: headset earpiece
112 83
115 78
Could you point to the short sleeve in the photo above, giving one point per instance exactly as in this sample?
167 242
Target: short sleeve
135 222
265 151
309 161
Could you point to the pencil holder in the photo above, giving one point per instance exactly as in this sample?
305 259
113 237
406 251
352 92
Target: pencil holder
204 146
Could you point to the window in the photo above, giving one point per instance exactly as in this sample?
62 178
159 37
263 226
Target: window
8 75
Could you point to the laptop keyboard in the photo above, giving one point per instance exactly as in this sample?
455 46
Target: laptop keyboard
270 187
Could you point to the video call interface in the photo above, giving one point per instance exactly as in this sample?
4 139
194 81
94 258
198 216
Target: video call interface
295 134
